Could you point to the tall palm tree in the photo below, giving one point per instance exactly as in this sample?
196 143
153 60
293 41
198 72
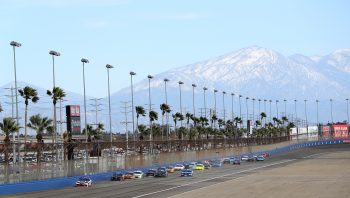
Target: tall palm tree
39 124
8 126
177 117
28 93
262 116
165 109
214 118
139 111
188 117
56 94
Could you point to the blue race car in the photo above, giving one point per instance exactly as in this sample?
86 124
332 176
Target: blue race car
186 172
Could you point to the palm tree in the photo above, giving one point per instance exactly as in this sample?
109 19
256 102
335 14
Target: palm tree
56 94
221 123
214 118
139 111
8 126
177 117
262 116
1 108
28 94
188 117
39 124
142 130
165 109
89 130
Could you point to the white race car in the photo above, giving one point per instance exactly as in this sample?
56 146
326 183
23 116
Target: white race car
179 167
83 181
139 174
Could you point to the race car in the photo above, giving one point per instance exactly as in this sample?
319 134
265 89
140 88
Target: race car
83 181
199 167
186 173
179 167
139 174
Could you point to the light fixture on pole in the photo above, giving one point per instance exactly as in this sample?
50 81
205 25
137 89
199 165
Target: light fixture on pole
204 101
149 111
133 110
180 83
53 54
223 105
285 107
167 114
347 109
331 101
194 110
317 112
232 113
85 61
240 106
108 67
277 109
253 111
246 103
15 44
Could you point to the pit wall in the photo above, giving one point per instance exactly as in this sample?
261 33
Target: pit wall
56 183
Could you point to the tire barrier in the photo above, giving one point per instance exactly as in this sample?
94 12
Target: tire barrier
55 183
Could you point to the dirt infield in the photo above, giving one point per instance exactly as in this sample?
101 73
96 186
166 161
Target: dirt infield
324 175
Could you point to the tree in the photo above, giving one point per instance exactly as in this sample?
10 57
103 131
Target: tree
29 94
40 125
214 118
56 94
1 110
89 131
8 126
139 111
142 130
177 117
165 109
188 117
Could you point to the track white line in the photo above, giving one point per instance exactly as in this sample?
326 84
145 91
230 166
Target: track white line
175 187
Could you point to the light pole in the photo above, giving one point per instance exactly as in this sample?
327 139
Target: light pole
285 107
307 124
317 111
223 105
149 111
215 91
15 44
167 114
270 110
194 110
180 83
53 54
205 104
265 110
259 106
232 113
240 106
347 109
246 103
331 101
253 111
277 109
133 110
84 61
108 66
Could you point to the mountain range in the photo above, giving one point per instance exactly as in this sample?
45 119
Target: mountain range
253 72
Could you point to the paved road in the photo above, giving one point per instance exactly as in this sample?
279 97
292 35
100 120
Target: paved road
202 180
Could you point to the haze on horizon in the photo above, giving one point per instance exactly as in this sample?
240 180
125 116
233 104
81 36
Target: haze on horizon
150 37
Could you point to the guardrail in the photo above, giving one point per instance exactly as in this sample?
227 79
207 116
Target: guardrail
55 183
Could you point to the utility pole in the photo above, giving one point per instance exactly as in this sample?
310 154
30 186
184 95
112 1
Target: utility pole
126 110
96 109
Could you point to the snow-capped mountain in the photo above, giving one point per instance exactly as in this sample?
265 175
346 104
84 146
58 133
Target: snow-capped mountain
253 72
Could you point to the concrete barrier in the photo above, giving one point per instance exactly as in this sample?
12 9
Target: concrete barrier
55 183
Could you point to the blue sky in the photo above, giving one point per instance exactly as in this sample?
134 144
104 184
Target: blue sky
153 36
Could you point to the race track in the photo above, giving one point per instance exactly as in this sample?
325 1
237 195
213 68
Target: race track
209 180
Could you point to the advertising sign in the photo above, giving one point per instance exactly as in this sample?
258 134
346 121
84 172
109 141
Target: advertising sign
73 120
340 131
250 127
326 131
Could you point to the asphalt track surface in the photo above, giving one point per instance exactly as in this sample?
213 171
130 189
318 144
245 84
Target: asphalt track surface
175 185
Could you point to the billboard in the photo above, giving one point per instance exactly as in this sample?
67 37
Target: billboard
250 126
73 120
326 131
340 131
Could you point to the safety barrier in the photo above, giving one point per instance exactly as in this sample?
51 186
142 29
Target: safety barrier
56 183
